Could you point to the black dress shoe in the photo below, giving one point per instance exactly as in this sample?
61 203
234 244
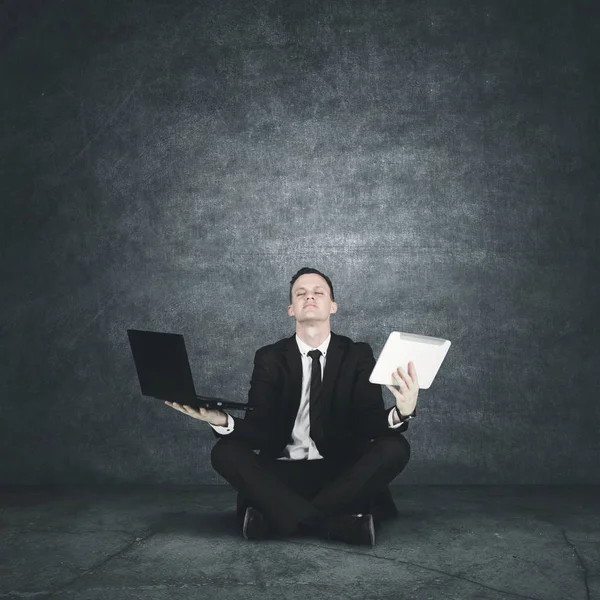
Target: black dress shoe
255 526
352 529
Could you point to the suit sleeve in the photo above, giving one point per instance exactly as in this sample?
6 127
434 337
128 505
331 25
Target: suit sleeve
256 426
370 415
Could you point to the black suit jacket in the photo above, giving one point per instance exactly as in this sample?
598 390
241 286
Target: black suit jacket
351 409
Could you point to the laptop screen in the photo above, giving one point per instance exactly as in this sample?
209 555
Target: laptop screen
162 365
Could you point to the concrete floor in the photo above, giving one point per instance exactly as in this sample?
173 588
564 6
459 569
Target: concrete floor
448 542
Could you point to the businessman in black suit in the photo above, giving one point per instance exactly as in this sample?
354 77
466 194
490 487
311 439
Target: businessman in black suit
327 446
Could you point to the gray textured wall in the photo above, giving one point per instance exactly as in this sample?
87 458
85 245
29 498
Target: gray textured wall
170 168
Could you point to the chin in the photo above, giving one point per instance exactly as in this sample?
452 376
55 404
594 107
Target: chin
311 321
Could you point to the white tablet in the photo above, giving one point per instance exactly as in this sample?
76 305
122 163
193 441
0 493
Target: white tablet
426 352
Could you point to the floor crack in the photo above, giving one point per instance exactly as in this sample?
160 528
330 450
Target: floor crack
432 570
585 571
136 540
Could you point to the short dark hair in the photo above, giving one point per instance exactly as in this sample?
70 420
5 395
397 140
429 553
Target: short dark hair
306 271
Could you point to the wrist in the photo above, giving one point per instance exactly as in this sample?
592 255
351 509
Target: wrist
403 418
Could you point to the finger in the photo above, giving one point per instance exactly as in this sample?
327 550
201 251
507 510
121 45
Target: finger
396 393
410 384
400 377
190 411
412 371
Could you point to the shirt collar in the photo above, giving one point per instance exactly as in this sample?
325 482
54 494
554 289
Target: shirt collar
304 348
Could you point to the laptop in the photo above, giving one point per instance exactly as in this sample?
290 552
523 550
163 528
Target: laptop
164 372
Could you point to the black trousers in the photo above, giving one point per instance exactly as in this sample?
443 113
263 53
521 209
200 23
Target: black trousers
289 492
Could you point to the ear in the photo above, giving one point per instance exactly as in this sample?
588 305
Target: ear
333 309
290 311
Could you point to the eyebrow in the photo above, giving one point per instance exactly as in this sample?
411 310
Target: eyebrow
317 287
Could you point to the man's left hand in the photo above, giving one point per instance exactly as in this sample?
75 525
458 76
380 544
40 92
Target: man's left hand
406 395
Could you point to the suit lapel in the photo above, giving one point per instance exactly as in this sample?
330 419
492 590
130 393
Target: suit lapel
332 368
294 364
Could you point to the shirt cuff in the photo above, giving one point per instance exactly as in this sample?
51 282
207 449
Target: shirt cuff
391 419
225 429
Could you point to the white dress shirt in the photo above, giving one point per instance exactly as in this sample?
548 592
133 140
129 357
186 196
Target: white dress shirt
301 445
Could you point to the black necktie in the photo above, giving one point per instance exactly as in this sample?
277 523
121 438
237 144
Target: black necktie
315 387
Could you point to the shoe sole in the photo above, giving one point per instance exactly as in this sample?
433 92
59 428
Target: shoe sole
245 526
372 531
261 531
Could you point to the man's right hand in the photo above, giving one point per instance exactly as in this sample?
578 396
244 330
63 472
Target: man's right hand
214 417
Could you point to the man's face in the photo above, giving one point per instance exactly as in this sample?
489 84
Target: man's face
311 299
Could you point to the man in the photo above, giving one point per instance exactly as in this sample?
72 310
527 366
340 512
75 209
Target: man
327 446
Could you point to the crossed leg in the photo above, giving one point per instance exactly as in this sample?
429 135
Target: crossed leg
292 492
